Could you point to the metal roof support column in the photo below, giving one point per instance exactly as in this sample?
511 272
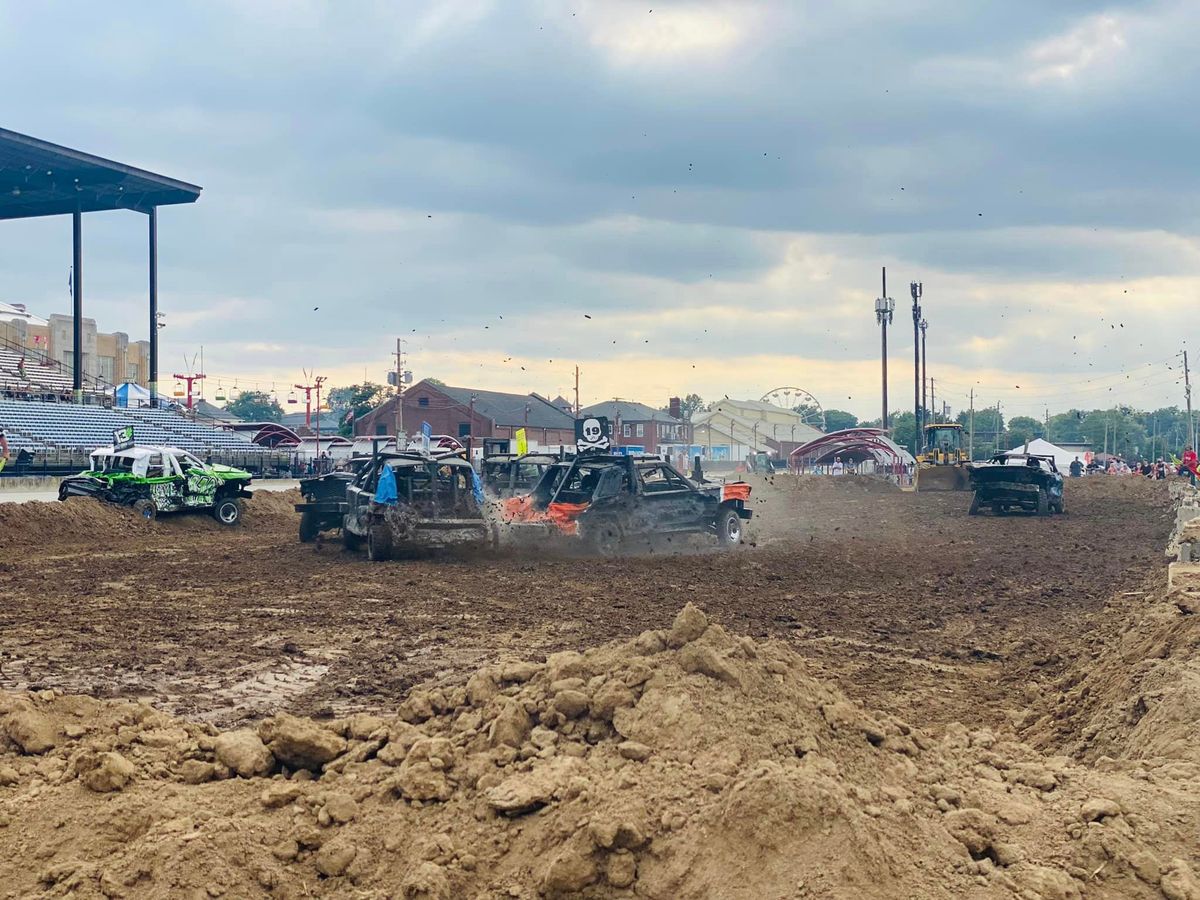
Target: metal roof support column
152 382
77 297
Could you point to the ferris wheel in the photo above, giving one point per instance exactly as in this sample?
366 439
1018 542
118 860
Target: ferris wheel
798 400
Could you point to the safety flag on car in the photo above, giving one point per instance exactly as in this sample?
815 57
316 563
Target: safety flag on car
522 442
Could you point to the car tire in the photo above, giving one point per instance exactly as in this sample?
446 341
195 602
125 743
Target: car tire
604 539
350 540
310 527
997 508
145 509
1043 503
729 528
379 543
974 510
227 511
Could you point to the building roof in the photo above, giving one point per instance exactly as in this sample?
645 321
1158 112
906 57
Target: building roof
10 313
717 419
206 410
507 409
38 178
628 411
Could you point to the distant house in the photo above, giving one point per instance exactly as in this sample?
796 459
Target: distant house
638 425
472 413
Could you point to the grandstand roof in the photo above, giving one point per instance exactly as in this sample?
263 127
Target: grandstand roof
38 178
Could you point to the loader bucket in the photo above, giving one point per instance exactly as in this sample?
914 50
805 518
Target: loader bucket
943 478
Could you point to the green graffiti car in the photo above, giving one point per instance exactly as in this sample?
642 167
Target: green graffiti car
157 480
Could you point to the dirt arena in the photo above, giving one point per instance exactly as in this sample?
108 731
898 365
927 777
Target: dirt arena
953 704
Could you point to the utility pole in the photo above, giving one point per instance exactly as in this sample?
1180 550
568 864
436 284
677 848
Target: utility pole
577 392
1047 424
924 404
1187 392
917 289
933 401
884 309
971 429
399 392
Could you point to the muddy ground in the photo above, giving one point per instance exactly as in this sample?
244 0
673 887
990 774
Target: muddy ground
883 697
911 605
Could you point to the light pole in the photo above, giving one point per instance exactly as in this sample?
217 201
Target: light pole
917 289
924 401
885 307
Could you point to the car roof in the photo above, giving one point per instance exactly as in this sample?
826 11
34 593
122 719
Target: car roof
137 452
420 459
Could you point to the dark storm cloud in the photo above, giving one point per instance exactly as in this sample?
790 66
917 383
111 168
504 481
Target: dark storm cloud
426 165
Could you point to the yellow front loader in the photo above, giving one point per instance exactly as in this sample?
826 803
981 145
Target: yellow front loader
942 464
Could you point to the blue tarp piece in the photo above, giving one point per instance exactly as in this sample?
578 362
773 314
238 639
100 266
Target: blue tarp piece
385 492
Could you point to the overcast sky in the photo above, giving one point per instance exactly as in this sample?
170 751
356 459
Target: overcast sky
716 185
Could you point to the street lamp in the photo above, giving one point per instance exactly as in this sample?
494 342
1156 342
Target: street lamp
885 308
917 289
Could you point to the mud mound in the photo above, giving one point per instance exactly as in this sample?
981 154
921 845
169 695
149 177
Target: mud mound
79 518
1139 696
275 507
85 521
828 484
684 764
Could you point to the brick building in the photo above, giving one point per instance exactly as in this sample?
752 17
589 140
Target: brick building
472 412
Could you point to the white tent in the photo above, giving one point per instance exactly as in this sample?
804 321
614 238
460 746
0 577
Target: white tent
1041 447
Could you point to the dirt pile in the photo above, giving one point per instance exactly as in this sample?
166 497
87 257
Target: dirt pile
41 524
686 763
1138 697
86 521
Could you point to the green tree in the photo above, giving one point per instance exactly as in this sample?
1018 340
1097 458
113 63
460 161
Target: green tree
903 428
255 406
1116 430
837 419
692 404
1023 428
357 400
989 431
1064 427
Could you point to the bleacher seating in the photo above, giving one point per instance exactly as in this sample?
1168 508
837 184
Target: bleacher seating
31 373
67 426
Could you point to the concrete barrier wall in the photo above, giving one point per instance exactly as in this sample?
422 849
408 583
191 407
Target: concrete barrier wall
30 483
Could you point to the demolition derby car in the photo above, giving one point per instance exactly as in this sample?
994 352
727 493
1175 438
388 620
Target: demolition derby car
324 505
607 501
509 475
413 499
157 480
1024 481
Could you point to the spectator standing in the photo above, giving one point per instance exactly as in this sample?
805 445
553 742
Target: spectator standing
1188 464
1076 468
3 449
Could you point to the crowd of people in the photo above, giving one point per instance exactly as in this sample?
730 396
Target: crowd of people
1158 469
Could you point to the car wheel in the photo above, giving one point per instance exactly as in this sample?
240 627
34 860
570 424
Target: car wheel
974 510
379 543
310 527
1043 503
604 538
145 509
228 511
997 508
729 528
350 540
